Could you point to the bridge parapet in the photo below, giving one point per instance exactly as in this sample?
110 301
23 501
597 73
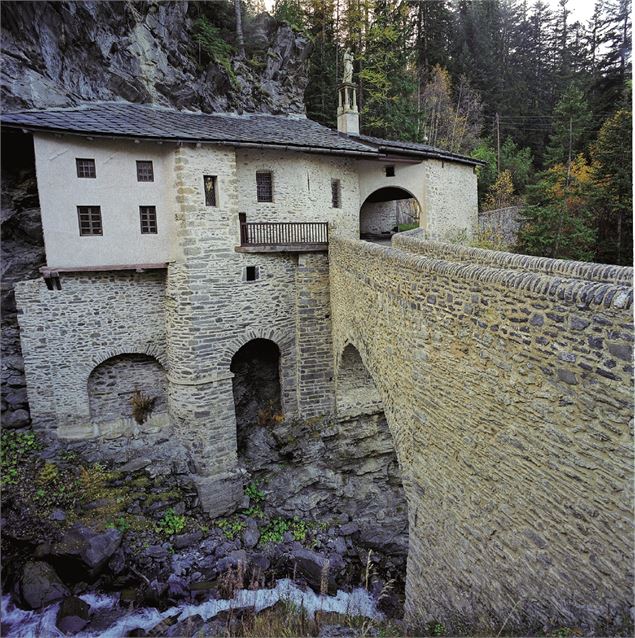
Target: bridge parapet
414 241
508 392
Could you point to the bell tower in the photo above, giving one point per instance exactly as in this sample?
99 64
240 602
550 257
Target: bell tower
347 113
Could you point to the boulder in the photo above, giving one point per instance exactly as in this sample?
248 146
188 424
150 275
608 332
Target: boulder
187 540
83 552
73 615
251 536
16 419
314 569
39 585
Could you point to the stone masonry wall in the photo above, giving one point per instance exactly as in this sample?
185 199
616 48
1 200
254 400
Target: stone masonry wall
502 222
212 310
509 398
378 218
66 333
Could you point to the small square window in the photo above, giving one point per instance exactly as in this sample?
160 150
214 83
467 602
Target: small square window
336 193
209 183
148 216
264 186
145 172
85 167
89 218
390 171
251 273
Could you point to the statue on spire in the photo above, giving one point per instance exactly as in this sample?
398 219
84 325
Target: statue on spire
347 76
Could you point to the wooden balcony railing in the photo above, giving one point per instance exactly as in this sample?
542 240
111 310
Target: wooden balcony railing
284 235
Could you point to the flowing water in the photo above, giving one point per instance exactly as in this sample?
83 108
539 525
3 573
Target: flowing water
18 623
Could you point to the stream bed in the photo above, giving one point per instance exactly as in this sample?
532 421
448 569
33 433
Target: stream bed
109 620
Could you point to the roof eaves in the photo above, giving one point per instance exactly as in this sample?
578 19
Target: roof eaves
366 152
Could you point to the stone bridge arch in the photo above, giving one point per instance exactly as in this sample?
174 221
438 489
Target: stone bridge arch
486 377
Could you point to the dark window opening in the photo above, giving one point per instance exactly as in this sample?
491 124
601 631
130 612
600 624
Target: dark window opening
209 183
89 220
251 273
145 172
336 193
148 216
390 171
85 167
264 186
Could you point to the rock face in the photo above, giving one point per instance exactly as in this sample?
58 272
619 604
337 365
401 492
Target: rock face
22 254
343 470
62 53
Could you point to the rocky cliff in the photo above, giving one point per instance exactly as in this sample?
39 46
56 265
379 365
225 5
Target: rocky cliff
62 53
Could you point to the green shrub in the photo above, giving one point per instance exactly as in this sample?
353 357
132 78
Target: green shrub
231 527
171 523
212 47
15 448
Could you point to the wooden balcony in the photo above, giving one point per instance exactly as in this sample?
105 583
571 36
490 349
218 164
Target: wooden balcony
293 237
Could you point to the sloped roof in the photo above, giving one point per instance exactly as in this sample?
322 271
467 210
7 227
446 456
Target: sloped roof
395 146
124 119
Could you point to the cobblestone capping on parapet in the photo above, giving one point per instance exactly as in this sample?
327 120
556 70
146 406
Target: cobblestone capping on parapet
591 272
582 291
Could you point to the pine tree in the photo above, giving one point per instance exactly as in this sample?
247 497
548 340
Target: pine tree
612 169
386 75
559 220
572 126
320 96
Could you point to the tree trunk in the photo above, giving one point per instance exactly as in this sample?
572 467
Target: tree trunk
240 38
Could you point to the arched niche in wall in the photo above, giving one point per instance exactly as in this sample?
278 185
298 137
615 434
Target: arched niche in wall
256 386
356 392
386 210
126 389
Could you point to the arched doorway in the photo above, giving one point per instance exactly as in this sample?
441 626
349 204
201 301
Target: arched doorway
256 386
127 387
387 211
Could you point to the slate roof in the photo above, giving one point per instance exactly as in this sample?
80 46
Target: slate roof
394 146
124 119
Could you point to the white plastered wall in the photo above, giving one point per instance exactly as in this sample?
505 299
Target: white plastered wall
115 189
446 191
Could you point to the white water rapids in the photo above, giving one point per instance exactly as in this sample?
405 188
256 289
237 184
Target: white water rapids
41 624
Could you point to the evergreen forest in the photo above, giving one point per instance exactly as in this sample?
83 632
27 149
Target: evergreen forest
543 99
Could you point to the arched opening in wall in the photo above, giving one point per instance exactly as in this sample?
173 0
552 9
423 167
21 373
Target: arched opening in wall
387 211
356 392
378 507
128 388
256 386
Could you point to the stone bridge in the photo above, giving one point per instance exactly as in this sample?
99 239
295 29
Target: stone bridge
507 384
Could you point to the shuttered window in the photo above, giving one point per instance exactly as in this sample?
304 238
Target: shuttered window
264 186
85 167
148 215
89 220
145 172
